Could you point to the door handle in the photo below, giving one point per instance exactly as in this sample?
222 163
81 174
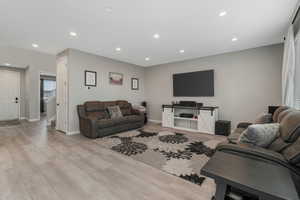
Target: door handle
16 100
57 104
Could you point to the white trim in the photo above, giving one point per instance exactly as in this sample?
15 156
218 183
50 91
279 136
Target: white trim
23 118
73 133
33 120
41 73
155 121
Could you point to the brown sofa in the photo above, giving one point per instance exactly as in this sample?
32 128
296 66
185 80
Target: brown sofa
94 119
283 151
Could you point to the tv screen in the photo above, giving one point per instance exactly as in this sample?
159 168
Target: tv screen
194 84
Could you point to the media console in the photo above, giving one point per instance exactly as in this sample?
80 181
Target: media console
203 119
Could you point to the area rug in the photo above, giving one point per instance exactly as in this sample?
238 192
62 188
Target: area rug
180 154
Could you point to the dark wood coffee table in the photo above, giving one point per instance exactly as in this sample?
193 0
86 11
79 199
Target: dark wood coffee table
265 180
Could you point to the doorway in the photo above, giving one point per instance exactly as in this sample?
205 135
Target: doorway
10 102
48 98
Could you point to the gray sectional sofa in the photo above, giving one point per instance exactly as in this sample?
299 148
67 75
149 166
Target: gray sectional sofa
283 151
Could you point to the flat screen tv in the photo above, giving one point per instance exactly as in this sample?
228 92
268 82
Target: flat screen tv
194 84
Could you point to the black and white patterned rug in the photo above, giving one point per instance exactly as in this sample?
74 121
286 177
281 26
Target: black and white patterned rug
180 154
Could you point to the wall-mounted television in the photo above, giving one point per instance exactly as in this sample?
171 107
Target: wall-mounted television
194 84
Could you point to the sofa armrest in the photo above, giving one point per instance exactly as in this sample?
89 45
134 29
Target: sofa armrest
258 153
88 127
136 112
244 125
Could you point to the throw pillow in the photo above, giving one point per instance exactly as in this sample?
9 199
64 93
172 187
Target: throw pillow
114 112
260 134
263 118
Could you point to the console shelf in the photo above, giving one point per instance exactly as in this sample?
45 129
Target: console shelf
204 122
185 118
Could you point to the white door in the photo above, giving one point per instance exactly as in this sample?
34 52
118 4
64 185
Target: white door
206 121
61 99
9 95
168 117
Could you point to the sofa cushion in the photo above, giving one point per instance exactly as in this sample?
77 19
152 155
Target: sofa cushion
290 126
128 119
292 153
283 114
98 115
278 145
234 136
263 118
278 111
109 103
260 134
105 123
125 107
114 112
93 106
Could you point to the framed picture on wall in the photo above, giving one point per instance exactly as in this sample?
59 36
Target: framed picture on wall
115 78
134 83
90 78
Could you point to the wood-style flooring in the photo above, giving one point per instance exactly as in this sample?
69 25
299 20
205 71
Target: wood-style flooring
38 164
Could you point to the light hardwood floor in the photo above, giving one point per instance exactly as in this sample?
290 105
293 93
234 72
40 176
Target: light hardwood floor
37 164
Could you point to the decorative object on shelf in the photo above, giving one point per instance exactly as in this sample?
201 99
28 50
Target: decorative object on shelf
134 83
115 78
90 78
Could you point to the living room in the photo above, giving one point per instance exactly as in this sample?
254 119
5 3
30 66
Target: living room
154 100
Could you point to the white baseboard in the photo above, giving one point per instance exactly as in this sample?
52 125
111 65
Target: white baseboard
23 118
155 121
33 120
73 133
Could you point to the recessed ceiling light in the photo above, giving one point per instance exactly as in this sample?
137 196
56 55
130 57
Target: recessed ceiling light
234 39
73 34
118 49
147 58
35 45
7 64
222 14
181 51
156 36
108 9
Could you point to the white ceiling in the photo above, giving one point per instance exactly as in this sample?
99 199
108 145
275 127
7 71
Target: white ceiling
192 25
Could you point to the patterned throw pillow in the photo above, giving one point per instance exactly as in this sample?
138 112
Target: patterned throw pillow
114 112
260 134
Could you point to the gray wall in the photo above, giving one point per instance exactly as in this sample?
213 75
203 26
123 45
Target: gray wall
36 63
79 61
246 82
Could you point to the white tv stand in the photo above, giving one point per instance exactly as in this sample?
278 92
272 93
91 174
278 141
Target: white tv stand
203 121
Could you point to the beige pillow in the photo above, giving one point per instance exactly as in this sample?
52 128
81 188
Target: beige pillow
114 112
260 134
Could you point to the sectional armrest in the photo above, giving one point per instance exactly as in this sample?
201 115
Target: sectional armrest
88 127
256 152
244 125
